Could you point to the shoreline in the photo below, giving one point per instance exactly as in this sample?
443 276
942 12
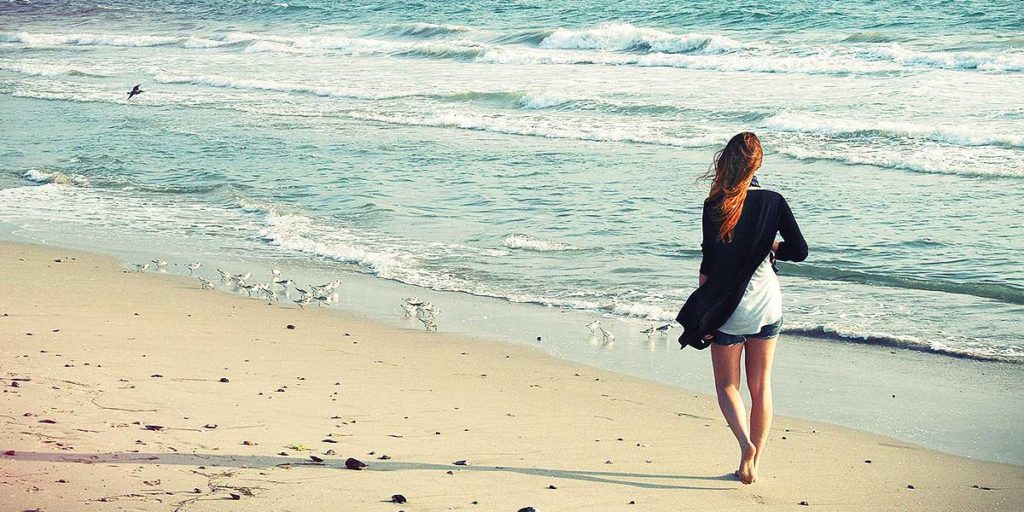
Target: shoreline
900 393
352 386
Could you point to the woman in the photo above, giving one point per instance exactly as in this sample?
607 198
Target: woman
738 305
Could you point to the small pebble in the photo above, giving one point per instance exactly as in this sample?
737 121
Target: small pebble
290 326
804 503
354 464
224 379
398 498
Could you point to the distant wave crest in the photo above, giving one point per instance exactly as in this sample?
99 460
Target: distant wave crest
532 243
960 135
626 37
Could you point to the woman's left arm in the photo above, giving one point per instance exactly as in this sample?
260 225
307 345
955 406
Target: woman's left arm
793 247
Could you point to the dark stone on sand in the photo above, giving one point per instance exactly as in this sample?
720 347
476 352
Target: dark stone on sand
449 472
868 461
354 464
210 426
283 454
224 379
330 452
460 462
290 326
552 487
527 509
236 496
316 459
28 334
474 503
9 453
47 421
153 427
15 384
332 441
398 498
631 502
911 487
804 503
156 376
384 457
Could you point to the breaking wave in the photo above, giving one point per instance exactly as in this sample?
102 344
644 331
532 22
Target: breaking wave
531 243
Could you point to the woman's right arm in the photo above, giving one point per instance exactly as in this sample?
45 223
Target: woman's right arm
708 237
793 247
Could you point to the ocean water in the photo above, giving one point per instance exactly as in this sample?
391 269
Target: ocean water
539 152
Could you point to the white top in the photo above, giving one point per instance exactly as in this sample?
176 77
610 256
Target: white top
761 304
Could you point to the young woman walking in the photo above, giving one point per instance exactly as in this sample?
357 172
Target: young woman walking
738 306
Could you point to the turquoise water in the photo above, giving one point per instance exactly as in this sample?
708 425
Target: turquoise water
538 152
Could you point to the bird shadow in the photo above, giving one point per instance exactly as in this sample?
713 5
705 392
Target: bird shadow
260 461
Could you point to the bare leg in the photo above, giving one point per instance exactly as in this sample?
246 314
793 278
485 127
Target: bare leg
760 353
726 362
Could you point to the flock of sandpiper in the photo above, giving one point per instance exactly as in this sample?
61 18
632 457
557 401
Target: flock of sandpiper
326 294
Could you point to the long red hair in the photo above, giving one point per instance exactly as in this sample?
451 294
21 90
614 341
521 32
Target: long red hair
731 173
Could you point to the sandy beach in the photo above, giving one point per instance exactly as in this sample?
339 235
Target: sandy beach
140 391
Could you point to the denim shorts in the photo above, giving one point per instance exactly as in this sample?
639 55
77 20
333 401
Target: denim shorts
768 331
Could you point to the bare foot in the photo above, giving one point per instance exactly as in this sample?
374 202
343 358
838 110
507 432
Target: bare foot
747 471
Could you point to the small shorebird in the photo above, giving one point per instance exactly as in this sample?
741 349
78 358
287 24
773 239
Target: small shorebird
206 285
648 331
285 283
304 301
594 326
322 299
329 287
243 277
664 328
224 276
135 91
160 264
141 268
606 335
426 309
410 310
192 267
429 324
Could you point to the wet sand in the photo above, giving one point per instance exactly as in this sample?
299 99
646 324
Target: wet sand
140 391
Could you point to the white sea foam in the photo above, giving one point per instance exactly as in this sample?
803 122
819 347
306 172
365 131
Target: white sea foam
981 61
548 128
935 160
49 176
86 39
532 243
34 68
842 332
543 100
646 311
840 126
623 36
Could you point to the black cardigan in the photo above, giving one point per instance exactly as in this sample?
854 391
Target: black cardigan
729 266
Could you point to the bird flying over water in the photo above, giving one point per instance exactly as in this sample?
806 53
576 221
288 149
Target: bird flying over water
135 91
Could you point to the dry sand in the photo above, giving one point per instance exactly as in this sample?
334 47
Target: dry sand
112 400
